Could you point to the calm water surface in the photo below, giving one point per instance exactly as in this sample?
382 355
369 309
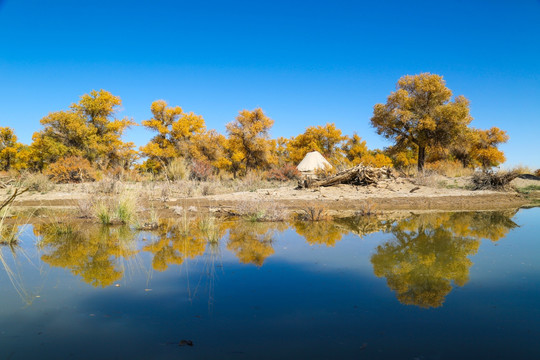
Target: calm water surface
434 286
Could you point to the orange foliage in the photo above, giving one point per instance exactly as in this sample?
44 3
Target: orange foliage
71 169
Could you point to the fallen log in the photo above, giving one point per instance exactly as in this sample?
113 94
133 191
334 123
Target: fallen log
358 175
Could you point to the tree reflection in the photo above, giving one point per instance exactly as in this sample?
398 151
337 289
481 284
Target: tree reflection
176 241
252 241
430 253
93 254
326 233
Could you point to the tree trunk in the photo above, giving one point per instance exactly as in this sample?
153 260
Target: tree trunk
421 158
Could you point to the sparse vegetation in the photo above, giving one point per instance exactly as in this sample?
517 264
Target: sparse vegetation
528 189
38 182
259 210
313 213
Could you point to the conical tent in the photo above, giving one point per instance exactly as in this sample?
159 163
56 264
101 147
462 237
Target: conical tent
313 161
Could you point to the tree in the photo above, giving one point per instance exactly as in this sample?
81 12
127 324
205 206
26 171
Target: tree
88 129
249 145
175 131
356 152
324 139
420 113
484 147
9 149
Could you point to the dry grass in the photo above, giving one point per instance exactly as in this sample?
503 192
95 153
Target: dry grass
177 170
260 210
368 208
37 182
449 168
521 169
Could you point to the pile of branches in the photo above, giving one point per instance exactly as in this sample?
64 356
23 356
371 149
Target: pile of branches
358 175
489 180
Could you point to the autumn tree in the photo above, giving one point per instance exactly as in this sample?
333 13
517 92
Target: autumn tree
9 149
421 113
175 129
484 147
249 145
324 139
356 152
88 129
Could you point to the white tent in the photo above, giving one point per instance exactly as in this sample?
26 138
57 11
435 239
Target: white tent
313 161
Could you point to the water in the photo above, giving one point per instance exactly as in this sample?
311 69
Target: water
434 286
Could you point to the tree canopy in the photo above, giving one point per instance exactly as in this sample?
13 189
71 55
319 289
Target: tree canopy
421 113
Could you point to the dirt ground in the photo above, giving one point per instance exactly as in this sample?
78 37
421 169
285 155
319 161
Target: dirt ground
434 194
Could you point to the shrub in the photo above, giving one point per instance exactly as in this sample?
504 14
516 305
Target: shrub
201 170
325 172
71 169
313 213
38 182
284 173
176 170
537 172
262 211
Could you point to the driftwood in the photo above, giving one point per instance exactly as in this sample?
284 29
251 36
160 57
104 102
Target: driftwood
358 175
489 180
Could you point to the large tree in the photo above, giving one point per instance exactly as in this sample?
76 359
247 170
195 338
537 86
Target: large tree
422 114
88 129
176 131
249 145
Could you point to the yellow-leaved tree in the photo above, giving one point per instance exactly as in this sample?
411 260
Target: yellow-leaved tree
175 131
88 129
249 146
421 114
10 150
356 152
484 149
324 139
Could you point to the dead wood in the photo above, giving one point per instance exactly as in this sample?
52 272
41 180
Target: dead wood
358 175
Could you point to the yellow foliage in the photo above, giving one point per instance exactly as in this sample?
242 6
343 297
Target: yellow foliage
93 254
252 241
71 169
10 149
248 146
324 139
179 134
484 148
420 113
89 129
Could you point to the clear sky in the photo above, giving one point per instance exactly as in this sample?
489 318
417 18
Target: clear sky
304 62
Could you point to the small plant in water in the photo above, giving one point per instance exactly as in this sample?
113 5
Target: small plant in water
313 213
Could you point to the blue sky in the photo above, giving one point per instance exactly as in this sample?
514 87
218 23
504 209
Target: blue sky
304 62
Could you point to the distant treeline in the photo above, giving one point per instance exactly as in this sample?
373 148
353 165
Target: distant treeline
426 124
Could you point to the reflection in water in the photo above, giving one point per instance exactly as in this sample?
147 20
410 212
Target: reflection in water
430 252
320 232
252 241
94 254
